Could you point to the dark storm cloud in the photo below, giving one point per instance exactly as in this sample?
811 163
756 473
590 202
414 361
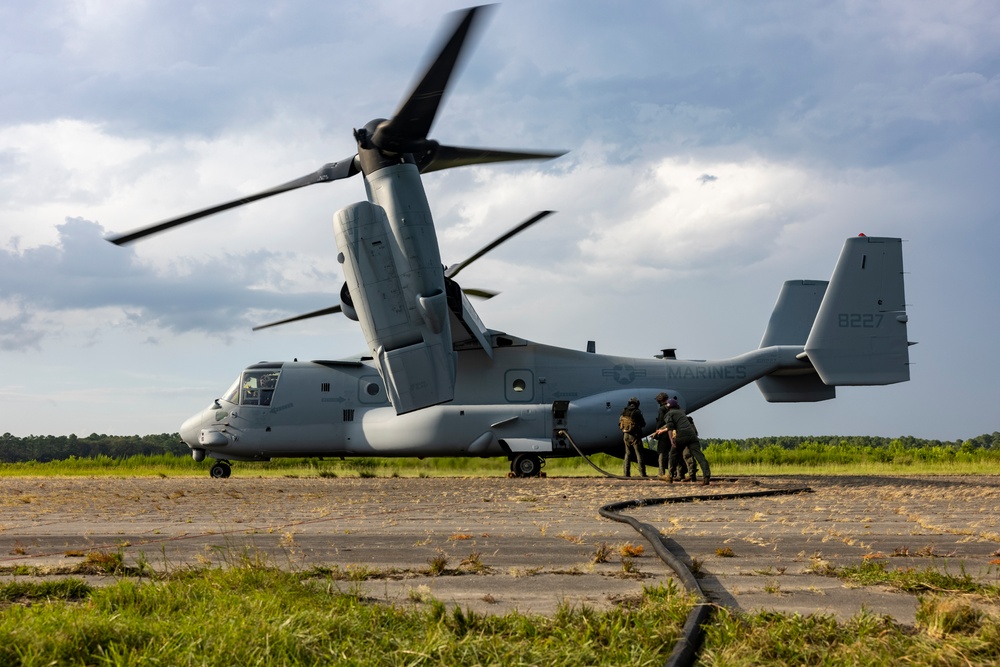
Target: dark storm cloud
82 271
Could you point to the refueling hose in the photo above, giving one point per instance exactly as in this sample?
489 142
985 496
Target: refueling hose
685 651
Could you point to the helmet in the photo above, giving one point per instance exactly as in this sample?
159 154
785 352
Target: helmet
673 404
661 397
633 401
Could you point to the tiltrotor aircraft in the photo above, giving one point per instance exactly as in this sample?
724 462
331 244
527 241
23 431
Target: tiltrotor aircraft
436 381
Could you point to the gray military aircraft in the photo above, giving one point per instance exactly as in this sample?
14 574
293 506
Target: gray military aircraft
435 381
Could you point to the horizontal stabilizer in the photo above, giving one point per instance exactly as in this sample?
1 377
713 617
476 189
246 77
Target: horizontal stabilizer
795 389
859 335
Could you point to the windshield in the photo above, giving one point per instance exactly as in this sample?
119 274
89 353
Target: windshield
258 387
232 394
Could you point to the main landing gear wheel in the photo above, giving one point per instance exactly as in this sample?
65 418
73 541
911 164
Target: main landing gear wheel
526 465
220 470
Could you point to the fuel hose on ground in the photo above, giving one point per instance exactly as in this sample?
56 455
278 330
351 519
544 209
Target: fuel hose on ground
685 652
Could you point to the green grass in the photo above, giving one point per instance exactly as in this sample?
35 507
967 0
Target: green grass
725 462
251 615
777 455
912 580
167 465
953 627
947 633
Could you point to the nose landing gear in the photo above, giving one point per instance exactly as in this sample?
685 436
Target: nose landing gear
221 469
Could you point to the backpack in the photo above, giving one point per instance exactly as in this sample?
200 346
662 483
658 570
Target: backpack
626 423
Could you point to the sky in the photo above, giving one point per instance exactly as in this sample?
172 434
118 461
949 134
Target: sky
715 150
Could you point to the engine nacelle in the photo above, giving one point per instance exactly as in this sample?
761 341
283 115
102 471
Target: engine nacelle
395 287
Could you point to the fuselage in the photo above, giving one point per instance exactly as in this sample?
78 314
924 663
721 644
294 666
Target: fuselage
516 402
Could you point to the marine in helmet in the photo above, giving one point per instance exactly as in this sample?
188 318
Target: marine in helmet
684 435
671 462
631 424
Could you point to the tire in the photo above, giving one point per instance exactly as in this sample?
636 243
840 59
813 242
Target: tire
220 470
527 465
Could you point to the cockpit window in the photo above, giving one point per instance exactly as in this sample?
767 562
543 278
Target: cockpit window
258 387
232 394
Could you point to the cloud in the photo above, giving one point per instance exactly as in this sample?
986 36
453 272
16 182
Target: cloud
83 272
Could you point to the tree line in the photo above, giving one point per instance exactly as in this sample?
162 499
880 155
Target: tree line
985 441
44 448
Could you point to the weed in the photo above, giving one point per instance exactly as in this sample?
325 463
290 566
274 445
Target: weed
819 566
629 550
602 554
911 580
629 568
460 536
103 562
421 593
575 539
473 563
944 617
438 564
725 552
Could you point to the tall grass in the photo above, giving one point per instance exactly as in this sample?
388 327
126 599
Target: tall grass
726 458
169 465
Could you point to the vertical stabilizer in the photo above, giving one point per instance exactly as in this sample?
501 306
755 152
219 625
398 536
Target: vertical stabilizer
790 323
859 336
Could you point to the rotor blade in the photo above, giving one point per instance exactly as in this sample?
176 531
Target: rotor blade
479 293
415 115
453 270
315 313
329 172
446 157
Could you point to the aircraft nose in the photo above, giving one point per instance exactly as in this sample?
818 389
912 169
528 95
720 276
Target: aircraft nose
191 429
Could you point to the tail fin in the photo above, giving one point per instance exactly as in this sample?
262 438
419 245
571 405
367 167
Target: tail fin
790 322
859 334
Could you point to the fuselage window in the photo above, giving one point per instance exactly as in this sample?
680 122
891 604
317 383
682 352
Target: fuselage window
518 385
258 387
